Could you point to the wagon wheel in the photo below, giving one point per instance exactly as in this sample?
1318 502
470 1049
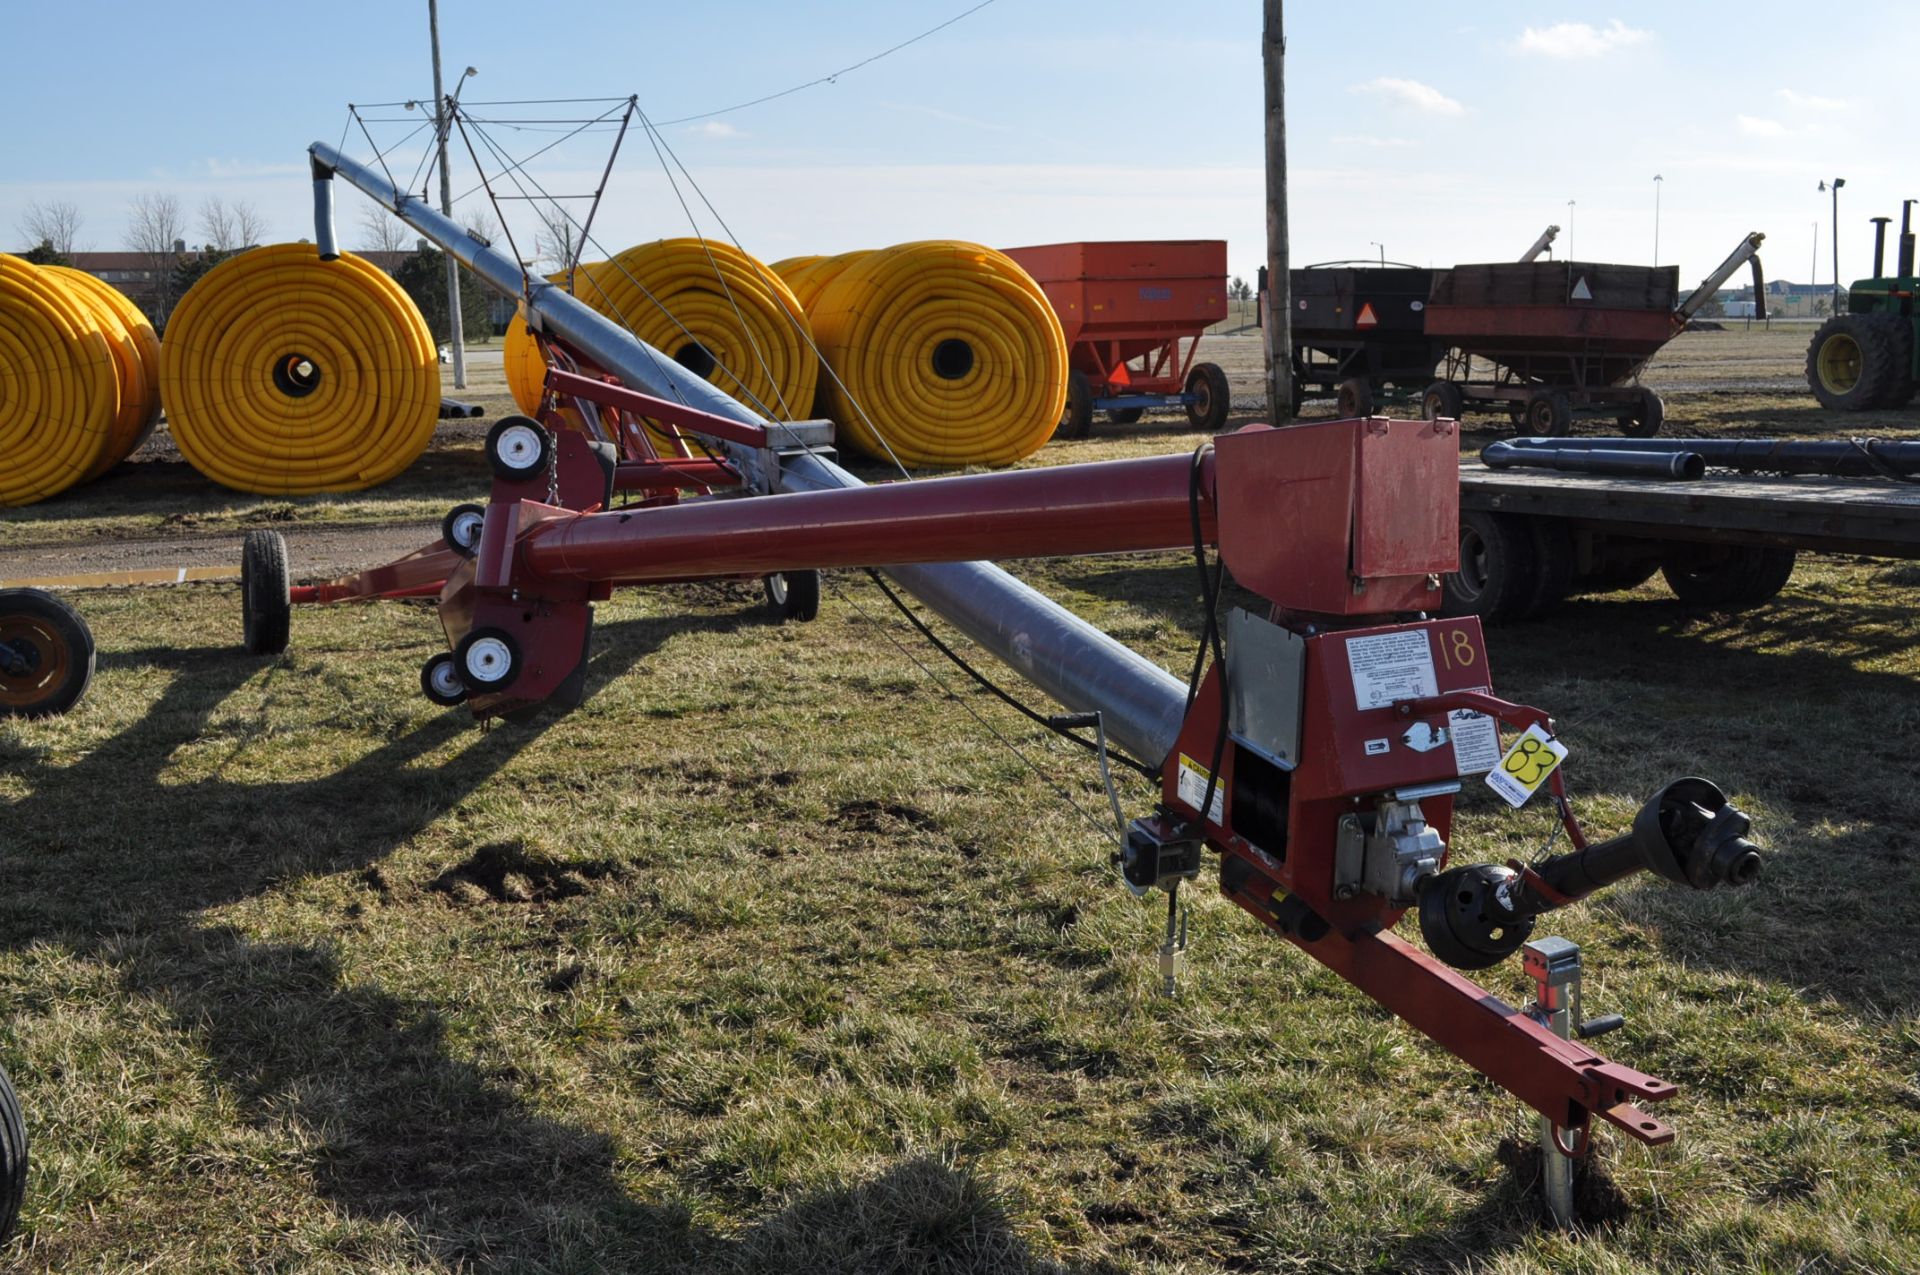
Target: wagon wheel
1077 418
1126 415
1646 416
46 654
1444 400
1354 398
1549 414
1212 399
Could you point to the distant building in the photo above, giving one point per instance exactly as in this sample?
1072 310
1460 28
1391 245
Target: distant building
1784 300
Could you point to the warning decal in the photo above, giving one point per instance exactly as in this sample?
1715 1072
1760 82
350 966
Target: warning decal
1367 317
1581 292
1391 666
1192 787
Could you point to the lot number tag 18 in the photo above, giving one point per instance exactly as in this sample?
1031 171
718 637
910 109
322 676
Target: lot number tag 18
1526 765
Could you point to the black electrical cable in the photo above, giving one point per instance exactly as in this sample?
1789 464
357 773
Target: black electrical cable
961 663
1210 630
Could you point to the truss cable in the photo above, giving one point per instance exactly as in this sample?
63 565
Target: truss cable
287 375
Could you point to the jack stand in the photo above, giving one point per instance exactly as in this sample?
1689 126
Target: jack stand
1176 941
1554 966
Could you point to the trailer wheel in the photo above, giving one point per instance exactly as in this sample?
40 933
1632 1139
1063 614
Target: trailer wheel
265 609
1212 397
488 660
1354 398
793 595
460 529
1553 563
1496 576
1728 575
1126 415
13 1157
440 681
1077 417
518 448
46 654
1444 400
1646 417
1851 361
1549 414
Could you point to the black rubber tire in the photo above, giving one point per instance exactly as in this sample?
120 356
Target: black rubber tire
1076 419
1615 569
1353 398
1647 416
793 595
63 654
1553 564
1901 384
266 612
1863 347
1443 400
1731 576
475 684
1549 414
462 516
1496 576
13 1157
434 673
533 465
1212 397
1126 415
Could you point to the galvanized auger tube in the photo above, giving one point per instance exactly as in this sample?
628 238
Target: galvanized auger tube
1141 704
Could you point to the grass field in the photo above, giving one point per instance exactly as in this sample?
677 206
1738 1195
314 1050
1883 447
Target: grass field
770 958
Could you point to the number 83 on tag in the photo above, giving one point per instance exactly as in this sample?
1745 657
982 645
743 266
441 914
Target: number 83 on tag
1526 765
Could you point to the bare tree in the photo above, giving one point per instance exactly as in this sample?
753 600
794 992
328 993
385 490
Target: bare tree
381 231
481 224
250 223
55 223
156 229
558 240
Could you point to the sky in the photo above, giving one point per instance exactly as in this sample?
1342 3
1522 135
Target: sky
1432 133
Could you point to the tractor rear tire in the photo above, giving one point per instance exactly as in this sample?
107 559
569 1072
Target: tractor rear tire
1444 400
1730 577
1901 385
1853 362
1354 397
1496 576
57 647
1212 398
1076 420
265 609
13 1157
1646 417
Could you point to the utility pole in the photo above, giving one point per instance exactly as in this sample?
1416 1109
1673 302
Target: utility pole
455 327
1656 218
1838 182
1279 298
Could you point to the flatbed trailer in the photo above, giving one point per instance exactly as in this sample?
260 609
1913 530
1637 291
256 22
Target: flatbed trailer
1529 538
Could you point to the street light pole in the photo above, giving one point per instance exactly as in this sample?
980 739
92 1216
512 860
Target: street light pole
1838 182
456 328
1656 218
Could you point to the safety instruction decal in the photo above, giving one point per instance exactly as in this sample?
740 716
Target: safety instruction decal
1192 787
1391 666
1476 741
1533 757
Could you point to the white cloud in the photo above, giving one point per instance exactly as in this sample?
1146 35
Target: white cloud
1376 143
949 117
232 168
1810 101
1755 126
716 129
1422 97
1579 40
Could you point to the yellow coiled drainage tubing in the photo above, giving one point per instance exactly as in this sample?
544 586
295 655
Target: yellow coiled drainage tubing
136 358
811 277
950 351
59 386
749 337
526 370
284 374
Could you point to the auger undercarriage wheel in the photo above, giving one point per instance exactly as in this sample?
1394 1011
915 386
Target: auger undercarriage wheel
460 529
46 654
793 595
265 607
519 448
488 660
441 682
13 1157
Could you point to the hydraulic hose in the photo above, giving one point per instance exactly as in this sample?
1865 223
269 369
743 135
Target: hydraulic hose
59 385
287 375
717 312
136 358
948 352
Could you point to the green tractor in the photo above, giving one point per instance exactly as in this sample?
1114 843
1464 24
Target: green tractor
1870 356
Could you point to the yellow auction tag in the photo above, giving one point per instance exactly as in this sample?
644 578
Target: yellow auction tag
1526 766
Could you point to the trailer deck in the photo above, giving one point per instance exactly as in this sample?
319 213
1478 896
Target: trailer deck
1837 515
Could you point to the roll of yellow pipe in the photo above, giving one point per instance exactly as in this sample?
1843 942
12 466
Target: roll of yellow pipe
136 357
284 374
59 385
526 370
943 353
716 311
786 266
809 280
